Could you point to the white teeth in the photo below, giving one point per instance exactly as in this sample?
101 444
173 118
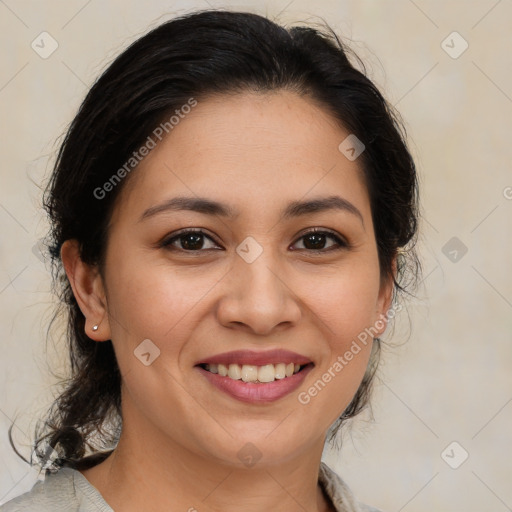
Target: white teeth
253 373
234 372
266 373
249 373
280 371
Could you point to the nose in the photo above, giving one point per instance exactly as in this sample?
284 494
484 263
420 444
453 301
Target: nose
258 297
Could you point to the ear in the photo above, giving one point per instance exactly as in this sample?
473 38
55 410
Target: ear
385 299
88 289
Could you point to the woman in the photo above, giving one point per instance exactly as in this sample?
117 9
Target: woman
227 209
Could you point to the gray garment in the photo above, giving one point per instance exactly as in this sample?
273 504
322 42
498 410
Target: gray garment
69 491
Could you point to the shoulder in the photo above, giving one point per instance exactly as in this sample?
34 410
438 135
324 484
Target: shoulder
342 497
67 490
49 494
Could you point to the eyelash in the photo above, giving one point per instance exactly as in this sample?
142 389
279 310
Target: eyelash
342 244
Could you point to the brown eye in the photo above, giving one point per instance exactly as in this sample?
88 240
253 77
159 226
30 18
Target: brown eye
190 240
316 241
197 241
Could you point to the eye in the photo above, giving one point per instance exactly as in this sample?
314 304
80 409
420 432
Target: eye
315 240
191 240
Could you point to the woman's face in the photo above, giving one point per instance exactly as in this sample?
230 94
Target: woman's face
255 281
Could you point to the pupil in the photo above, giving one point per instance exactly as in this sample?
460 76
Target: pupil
195 239
318 241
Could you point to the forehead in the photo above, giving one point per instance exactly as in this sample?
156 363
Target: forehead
248 147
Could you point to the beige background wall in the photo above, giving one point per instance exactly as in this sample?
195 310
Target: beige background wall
451 380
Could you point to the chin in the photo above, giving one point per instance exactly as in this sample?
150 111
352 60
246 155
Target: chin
263 449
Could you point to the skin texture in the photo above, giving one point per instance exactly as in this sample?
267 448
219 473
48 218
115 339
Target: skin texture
181 436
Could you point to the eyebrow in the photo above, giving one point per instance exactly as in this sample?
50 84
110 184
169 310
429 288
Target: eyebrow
292 210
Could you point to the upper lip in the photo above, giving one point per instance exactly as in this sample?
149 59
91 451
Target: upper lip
256 358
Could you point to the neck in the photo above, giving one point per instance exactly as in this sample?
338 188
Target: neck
177 479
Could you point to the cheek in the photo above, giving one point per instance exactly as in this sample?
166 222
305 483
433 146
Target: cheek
148 301
344 301
343 308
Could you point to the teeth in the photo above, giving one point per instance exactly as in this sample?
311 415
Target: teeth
280 371
253 373
266 373
249 373
234 372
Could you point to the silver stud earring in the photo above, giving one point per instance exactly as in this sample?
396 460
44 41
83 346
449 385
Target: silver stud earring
94 327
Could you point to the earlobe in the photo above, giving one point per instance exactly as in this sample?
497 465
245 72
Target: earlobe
88 289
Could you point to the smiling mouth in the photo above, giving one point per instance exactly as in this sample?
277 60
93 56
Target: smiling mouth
255 374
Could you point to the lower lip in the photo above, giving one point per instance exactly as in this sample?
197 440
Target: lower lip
257 393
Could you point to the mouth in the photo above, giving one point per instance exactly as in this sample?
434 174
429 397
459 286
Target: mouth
255 374
256 377
267 390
